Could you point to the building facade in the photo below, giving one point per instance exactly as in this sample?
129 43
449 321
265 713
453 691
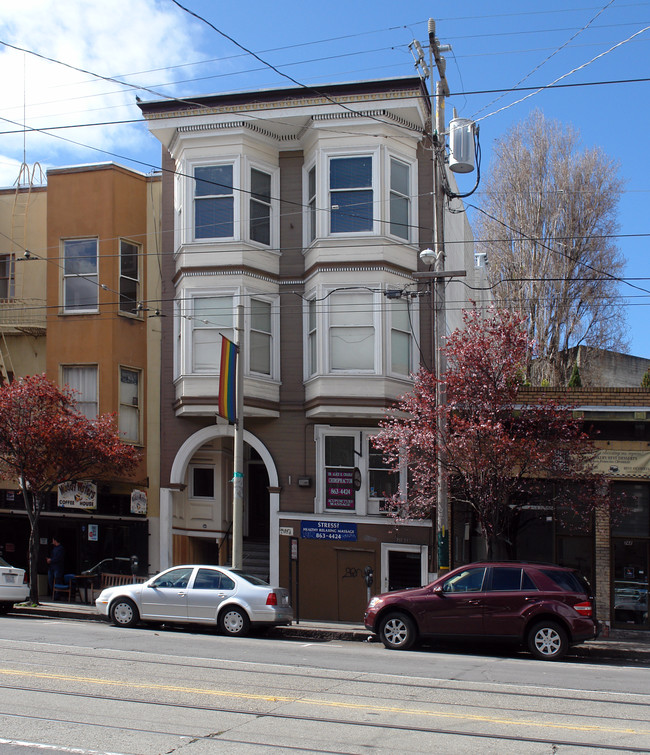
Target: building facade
309 208
95 258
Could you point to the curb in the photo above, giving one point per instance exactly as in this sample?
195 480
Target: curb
598 650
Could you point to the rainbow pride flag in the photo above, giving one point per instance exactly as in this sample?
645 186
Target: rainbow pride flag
227 381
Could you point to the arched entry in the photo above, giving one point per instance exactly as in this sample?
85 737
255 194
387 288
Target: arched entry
178 481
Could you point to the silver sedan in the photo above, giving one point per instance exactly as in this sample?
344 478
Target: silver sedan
13 587
196 594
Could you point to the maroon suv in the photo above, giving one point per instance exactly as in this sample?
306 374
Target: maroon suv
544 607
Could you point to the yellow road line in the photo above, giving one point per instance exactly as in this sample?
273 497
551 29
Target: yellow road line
313 702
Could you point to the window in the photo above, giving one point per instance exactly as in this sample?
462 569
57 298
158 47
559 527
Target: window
202 479
339 472
212 317
399 199
383 482
260 207
83 382
400 337
351 194
6 276
129 420
129 276
352 331
214 202
469 580
311 204
211 579
260 337
509 579
176 578
312 339
80 281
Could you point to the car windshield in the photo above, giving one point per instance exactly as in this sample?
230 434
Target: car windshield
249 578
3 562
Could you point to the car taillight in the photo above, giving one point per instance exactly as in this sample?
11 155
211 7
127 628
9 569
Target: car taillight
25 580
584 609
271 599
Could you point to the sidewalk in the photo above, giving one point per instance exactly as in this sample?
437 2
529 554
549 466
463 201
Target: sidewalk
622 645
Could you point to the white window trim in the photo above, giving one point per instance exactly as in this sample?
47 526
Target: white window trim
188 198
413 197
187 298
306 240
64 277
274 301
414 307
191 494
364 505
376 323
323 191
307 373
274 172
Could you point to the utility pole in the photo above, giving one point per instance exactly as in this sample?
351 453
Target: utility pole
238 455
437 279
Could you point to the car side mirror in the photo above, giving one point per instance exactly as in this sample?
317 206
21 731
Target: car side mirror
438 590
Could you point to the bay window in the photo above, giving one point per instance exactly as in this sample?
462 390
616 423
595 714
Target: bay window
351 194
400 337
352 331
129 276
214 201
80 280
212 316
400 202
260 337
82 380
129 417
260 207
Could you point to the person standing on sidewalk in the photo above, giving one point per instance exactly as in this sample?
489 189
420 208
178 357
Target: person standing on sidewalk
55 564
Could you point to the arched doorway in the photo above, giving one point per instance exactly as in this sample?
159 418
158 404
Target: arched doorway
261 490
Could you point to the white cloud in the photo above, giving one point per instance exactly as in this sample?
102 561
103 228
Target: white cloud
116 39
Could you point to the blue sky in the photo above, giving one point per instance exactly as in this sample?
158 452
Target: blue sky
155 45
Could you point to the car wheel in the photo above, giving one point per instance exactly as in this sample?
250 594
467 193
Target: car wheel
124 613
548 641
397 631
234 621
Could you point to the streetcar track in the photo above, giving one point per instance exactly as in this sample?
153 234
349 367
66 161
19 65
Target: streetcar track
319 720
387 680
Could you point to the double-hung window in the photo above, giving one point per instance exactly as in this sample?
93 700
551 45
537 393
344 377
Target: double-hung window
6 276
214 201
400 337
80 280
351 194
261 337
351 331
212 317
311 204
129 421
400 203
260 207
82 380
129 276
312 338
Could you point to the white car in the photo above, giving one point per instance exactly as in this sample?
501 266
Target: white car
13 586
226 598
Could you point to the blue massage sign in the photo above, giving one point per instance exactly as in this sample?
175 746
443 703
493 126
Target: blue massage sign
328 531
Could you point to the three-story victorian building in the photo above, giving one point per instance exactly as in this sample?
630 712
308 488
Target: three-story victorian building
309 206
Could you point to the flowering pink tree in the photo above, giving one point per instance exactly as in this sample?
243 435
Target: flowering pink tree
496 452
45 441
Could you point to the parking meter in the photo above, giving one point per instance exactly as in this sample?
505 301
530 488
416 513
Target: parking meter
369 575
134 564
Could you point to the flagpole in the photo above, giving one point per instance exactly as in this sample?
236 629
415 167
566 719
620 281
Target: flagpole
238 460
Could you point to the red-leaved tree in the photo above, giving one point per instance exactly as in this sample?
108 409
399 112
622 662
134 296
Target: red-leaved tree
497 452
46 441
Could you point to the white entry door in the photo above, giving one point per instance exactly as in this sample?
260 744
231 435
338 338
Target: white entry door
403 566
